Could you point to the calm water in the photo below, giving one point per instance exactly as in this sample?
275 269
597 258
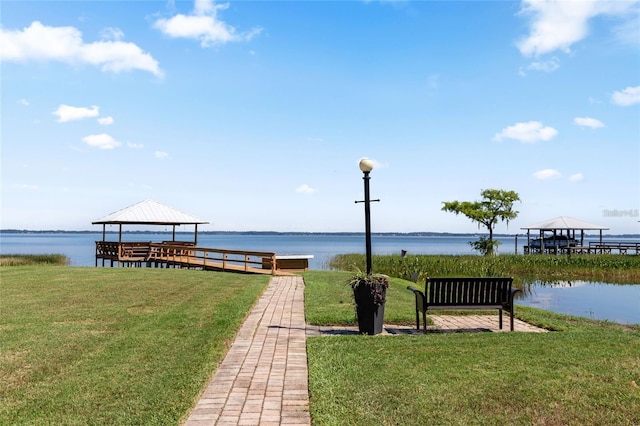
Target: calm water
618 303
613 302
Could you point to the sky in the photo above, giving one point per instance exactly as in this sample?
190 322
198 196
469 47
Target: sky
253 115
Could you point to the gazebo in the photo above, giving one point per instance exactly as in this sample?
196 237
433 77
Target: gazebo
148 212
563 229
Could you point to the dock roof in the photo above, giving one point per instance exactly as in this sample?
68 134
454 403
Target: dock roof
149 212
565 222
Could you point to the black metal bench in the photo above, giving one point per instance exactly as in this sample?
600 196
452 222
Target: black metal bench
464 293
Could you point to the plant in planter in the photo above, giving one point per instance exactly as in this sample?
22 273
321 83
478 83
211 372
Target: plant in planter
370 295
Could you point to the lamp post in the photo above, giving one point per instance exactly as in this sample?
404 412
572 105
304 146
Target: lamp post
366 166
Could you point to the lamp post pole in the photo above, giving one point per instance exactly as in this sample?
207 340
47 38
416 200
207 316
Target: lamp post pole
367 221
366 166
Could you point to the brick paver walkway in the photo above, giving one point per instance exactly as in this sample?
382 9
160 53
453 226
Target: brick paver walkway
263 379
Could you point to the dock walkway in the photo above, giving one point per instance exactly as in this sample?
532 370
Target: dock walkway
263 380
173 254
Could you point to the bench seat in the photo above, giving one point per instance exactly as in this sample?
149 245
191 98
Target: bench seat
465 293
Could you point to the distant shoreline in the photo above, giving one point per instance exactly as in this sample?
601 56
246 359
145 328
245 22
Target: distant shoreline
386 234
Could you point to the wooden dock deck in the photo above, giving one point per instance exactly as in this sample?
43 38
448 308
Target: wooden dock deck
186 255
594 247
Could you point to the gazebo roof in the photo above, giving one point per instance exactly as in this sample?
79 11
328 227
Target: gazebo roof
149 212
564 222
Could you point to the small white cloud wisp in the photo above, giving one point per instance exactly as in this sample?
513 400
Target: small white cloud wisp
105 121
101 141
626 97
546 174
592 123
529 132
203 24
70 113
305 189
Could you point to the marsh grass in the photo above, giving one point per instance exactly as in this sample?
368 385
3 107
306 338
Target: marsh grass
113 345
611 268
32 259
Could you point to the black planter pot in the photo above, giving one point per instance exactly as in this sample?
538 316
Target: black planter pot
370 315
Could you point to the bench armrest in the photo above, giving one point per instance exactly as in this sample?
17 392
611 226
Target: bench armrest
420 308
513 292
413 289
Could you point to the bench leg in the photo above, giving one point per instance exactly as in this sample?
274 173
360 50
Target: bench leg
500 319
511 316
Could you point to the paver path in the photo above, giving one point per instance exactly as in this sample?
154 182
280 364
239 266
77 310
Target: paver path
263 378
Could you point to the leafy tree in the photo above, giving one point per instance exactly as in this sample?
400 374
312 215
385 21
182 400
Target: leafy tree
496 205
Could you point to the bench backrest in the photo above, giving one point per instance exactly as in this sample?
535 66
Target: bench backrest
467 291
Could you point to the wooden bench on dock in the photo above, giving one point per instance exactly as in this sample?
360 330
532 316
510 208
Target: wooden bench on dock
464 293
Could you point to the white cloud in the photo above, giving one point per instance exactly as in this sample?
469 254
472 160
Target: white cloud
105 121
203 25
305 189
545 66
69 113
532 131
588 122
135 145
546 174
161 154
102 141
64 44
558 24
23 102
576 177
627 97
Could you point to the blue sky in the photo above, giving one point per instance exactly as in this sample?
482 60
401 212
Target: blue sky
253 115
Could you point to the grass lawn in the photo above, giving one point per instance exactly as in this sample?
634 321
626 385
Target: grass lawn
587 372
136 346
113 345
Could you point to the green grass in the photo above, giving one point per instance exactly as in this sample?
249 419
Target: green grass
609 268
113 345
589 375
587 372
136 346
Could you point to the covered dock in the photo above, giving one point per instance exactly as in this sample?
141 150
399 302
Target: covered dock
181 254
565 234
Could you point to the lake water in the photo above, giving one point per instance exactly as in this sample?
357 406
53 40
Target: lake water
613 302
618 303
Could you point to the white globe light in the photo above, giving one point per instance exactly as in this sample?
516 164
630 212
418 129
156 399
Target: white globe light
366 165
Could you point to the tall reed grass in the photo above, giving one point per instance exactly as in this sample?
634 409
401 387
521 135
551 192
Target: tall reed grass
33 259
613 268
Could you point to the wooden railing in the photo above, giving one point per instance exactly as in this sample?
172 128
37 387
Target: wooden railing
178 254
594 247
611 246
212 258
